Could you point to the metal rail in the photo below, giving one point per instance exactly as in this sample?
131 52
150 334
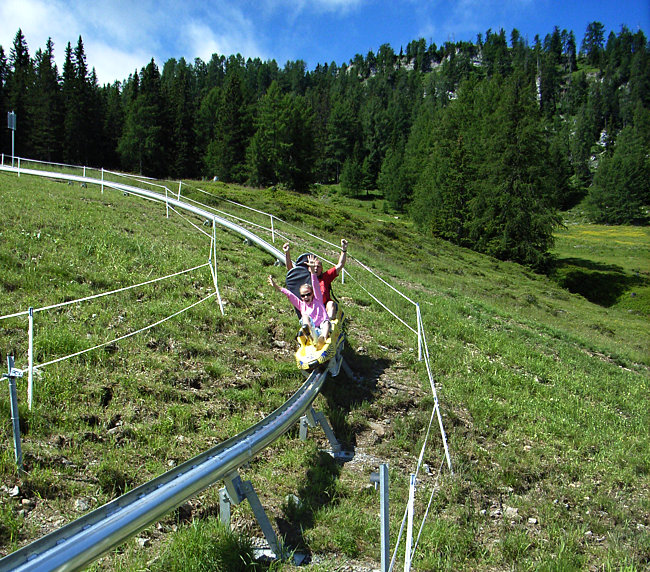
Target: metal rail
82 541
79 543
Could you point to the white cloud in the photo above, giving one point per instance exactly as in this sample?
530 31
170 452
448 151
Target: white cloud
225 32
295 7
113 63
38 21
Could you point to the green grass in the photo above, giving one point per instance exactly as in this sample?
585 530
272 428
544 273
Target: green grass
609 265
543 391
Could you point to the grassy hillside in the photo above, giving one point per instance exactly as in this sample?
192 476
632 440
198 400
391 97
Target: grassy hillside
544 394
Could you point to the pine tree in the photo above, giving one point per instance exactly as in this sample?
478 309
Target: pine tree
81 123
512 213
47 110
141 144
268 146
19 91
342 134
442 195
352 178
113 123
180 108
226 152
4 73
622 182
592 43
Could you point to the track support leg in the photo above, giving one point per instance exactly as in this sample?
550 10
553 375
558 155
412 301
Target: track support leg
235 492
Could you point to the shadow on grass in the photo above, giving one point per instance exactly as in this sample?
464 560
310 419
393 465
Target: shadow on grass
601 284
317 492
342 394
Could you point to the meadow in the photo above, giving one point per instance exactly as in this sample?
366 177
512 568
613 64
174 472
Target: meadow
543 383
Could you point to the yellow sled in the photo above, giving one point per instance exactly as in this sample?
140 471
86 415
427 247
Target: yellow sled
308 357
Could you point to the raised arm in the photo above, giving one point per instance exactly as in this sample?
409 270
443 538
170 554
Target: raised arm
312 263
343 256
287 255
292 297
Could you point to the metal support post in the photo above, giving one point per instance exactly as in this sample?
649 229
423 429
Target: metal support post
381 478
11 376
179 189
272 230
224 506
312 419
213 264
237 490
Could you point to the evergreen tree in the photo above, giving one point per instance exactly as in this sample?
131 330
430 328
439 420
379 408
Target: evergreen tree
319 100
280 150
442 195
342 130
19 91
81 123
113 123
226 152
392 181
592 43
512 214
141 144
180 107
266 150
300 158
496 57
352 178
622 182
4 73
47 110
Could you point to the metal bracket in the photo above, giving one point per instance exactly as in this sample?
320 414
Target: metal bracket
235 492
313 418
13 372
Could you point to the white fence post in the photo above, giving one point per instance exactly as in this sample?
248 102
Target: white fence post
272 230
30 360
419 320
214 269
409 526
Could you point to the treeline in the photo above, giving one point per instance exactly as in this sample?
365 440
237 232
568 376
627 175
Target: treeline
481 143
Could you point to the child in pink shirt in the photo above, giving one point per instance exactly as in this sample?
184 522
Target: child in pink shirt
310 304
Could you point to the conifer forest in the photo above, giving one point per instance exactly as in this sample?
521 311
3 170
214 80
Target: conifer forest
481 143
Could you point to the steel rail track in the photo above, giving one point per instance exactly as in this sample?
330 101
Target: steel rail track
77 544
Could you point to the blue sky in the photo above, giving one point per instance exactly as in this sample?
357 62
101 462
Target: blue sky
121 36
